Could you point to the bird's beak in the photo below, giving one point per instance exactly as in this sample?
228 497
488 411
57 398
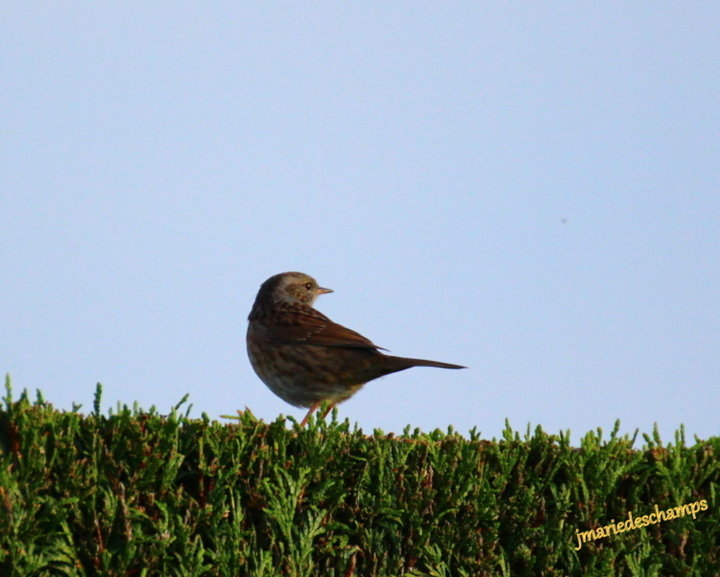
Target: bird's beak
323 291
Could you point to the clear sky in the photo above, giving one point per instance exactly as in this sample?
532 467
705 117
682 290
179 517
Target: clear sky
529 189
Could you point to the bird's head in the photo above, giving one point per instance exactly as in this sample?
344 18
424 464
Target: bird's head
291 288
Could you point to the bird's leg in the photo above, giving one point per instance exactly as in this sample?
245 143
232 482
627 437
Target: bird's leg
312 409
329 407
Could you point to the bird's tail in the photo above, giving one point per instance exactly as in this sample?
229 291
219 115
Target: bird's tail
407 363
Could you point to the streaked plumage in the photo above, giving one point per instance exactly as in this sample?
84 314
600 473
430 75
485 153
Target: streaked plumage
304 357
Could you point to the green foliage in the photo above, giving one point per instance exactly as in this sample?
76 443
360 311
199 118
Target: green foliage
136 493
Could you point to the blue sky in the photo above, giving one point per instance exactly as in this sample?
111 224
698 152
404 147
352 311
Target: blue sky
529 189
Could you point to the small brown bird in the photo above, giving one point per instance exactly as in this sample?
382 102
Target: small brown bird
304 357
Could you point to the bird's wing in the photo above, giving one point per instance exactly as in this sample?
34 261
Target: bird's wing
311 327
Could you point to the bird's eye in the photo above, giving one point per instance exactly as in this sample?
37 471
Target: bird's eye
308 285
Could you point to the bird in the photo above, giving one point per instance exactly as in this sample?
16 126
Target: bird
305 358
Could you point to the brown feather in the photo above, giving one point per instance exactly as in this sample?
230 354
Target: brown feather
303 356
303 325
